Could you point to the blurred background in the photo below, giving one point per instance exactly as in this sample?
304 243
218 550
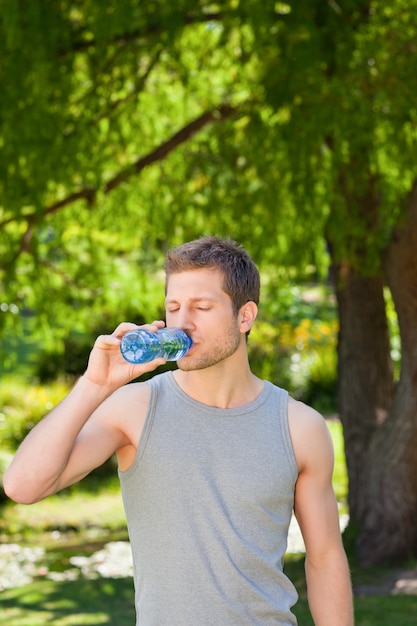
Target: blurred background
128 127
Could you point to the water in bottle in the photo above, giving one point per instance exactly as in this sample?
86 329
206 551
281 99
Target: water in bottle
141 346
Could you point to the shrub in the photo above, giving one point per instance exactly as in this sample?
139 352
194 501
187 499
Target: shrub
300 356
72 361
5 458
70 357
23 405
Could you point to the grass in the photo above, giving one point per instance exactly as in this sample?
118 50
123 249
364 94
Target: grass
385 611
96 507
83 516
99 601
372 610
340 479
110 601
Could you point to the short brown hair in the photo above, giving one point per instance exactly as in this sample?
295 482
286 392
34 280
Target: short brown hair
241 276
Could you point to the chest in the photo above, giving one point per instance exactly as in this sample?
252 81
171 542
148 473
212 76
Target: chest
244 461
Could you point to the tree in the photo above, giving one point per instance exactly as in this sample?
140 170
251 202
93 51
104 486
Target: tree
287 125
371 231
75 127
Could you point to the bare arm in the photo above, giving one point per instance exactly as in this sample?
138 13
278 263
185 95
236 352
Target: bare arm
327 571
85 429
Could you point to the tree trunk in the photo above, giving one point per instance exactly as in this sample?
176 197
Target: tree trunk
365 373
388 530
380 421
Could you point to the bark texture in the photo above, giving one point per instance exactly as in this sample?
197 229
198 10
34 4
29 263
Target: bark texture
365 373
380 419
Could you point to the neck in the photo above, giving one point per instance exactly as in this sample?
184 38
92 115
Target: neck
223 385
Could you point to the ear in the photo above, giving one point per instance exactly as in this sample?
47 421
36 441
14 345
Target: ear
247 316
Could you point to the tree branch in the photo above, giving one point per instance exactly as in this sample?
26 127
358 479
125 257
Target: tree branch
176 140
87 193
153 29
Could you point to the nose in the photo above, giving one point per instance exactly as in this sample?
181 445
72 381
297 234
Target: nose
182 318
186 321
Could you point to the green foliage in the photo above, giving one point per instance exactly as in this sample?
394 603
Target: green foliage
293 344
394 333
340 477
23 405
5 459
72 361
127 127
307 371
131 126
321 384
295 347
69 357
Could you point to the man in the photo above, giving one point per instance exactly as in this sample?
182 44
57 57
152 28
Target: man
212 461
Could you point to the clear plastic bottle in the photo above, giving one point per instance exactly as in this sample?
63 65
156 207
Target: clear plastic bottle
142 346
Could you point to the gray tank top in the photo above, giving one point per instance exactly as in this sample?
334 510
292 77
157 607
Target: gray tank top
208 503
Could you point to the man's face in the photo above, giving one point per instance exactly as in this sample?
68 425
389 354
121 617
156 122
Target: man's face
196 302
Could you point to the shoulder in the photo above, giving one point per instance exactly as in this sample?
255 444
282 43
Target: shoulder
310 436
124 404
127 409
135 395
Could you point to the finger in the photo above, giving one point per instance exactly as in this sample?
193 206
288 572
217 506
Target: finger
142 368
157 324
106 341
125 327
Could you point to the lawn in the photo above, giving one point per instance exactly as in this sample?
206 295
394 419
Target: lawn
100 601
81 519
110 601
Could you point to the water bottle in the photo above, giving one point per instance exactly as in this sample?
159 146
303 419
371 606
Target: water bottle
141 346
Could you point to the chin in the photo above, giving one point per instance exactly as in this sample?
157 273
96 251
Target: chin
189 365
184 366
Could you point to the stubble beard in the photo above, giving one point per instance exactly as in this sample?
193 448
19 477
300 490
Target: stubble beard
222 349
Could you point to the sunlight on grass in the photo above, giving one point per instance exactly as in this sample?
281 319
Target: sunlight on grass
68 604
76 508
97 505
110 602
340 479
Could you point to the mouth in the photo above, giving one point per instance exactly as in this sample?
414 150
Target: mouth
190 349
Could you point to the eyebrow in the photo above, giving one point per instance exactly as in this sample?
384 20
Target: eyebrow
193 300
